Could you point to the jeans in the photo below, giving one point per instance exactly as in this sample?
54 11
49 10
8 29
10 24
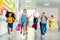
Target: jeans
43 28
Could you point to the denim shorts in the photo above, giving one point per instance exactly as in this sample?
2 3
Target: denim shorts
10 25
23 23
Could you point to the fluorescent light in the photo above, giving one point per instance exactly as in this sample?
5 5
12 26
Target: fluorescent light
28 1
46 4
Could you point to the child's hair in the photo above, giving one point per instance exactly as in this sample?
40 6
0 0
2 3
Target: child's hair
7 14
43 12
52 16
24 9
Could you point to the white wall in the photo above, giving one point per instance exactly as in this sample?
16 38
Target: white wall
3 24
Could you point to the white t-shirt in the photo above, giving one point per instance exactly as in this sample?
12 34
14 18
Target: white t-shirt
36 14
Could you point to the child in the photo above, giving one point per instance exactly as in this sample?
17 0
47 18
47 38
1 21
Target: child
25 21
51 21
36 15
10 17
43 23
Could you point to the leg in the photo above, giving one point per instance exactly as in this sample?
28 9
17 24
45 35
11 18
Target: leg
42 29
24 27
21 30
27 24
45 28
36 23
8 31
11 29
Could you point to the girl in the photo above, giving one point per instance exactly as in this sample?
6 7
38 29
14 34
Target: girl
25 21
51 21
10 17
36 15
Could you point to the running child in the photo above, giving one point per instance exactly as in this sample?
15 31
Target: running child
43 24
51 22
25 21
10 17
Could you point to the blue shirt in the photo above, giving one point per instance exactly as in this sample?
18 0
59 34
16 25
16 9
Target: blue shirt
24 17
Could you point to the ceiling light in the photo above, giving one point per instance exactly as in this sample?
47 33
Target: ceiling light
28 1
47 4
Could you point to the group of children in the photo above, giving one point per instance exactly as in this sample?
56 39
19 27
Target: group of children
10 17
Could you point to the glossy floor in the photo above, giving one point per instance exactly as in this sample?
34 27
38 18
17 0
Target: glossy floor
50 35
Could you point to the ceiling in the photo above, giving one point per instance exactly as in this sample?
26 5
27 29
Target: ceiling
39 3
53 3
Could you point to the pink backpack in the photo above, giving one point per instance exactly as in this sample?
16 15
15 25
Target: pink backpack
18 27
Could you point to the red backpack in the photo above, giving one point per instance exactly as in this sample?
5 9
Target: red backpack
34 26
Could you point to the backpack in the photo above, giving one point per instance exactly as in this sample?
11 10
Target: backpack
18 27
34 26
45 18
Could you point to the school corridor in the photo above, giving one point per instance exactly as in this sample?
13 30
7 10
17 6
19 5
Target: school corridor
36 9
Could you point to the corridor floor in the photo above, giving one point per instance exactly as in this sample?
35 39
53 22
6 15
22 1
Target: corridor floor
50 35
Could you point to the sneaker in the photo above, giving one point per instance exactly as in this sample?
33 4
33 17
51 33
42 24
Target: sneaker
20 32
43 36
25 33
9 36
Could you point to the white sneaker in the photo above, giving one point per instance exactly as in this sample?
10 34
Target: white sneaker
9 35
43 36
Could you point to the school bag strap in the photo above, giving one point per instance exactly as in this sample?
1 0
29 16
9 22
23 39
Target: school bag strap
45 18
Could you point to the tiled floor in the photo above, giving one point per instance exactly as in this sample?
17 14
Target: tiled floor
50 35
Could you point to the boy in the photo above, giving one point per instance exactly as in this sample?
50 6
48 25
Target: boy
43 23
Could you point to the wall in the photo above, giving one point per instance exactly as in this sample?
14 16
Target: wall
59 18
7 5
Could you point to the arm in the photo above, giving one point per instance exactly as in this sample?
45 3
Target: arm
39 16
30 16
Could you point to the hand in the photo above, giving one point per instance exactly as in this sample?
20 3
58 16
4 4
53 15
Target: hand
30 16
